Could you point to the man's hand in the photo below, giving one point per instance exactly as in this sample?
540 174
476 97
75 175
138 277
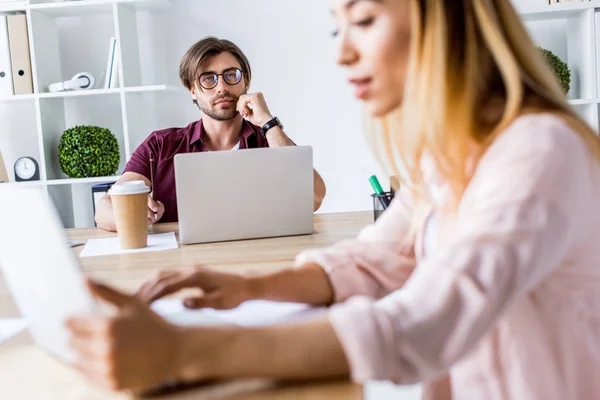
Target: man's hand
254 108
156 210
136 349
217 289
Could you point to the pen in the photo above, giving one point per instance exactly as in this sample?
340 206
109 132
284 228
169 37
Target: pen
385 202
152 180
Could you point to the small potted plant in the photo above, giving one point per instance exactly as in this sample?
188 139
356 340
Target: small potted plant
88 151
560 68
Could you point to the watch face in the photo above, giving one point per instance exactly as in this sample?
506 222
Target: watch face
25 168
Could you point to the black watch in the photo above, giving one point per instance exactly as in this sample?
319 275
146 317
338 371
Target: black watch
272 123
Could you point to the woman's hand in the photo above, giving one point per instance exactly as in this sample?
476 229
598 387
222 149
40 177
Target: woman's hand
217 289
136 349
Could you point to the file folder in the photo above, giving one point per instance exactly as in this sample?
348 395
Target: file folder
6 80
3 173
19 54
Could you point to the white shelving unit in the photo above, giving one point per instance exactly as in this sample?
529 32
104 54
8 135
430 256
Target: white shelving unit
70 37
570 31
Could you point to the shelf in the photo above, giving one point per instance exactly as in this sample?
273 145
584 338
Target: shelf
12 7
18 97
145 5
152 88
23 184
580 102
554 11
94 7
75 181
79 93
73 8
105 92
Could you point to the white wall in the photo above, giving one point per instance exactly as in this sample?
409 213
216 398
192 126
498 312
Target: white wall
291 51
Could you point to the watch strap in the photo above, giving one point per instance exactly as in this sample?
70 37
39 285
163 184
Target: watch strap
271 124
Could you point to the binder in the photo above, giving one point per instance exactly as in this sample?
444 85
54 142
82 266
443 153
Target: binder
3 173
19 54
6 80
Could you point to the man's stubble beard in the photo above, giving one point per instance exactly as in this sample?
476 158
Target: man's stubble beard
220 115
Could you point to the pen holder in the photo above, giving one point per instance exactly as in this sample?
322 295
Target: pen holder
381 202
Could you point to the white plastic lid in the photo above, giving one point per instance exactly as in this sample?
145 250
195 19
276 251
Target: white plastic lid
130 187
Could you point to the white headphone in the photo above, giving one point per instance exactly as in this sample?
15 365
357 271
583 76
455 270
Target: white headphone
81 81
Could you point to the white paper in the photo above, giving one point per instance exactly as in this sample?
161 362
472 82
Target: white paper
10 327
384 390
173 311
103 247
262 312
250 313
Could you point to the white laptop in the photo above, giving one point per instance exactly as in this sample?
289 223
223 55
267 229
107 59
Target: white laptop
248 194
43 273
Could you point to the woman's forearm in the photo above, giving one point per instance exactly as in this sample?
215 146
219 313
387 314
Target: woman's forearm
306 284
309 350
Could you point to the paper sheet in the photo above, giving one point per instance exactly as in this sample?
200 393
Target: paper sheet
384 390
10 327
103 247
250 313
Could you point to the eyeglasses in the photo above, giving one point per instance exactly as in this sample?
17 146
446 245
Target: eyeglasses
231 76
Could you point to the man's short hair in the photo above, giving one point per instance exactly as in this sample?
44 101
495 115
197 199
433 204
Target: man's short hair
204 50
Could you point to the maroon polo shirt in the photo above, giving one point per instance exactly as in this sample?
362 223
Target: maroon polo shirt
165 144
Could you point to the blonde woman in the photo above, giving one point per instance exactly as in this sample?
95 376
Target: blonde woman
483 278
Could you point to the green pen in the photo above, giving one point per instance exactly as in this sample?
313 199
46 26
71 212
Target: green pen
385 202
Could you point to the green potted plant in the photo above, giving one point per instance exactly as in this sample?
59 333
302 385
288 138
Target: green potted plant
88 151
560 68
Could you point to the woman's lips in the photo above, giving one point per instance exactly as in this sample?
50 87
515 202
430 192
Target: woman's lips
361 87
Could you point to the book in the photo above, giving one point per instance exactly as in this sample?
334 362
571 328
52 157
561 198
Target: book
111 68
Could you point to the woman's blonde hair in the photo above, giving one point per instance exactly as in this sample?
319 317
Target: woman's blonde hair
465 54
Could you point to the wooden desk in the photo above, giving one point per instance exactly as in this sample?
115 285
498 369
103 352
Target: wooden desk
28 373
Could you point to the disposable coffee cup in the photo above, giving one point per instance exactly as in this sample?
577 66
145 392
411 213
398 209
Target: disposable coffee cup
130 207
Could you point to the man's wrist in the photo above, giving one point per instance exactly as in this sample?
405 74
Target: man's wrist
262 121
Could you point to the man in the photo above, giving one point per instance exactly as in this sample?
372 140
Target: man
218 75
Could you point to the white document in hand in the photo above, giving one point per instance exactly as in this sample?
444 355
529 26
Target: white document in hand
10 327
